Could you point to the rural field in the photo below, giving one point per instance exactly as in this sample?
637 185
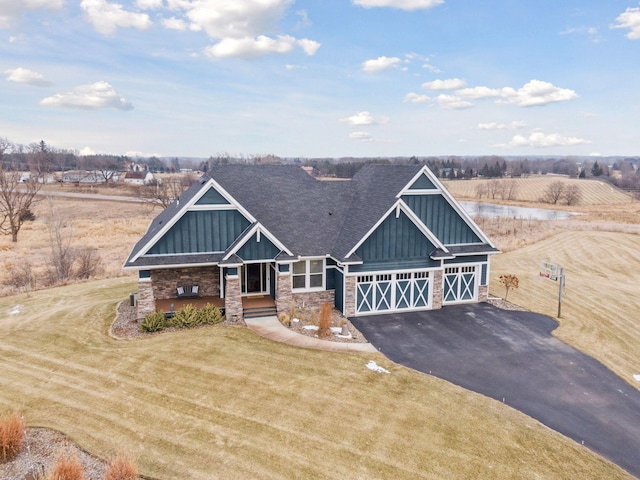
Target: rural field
221 402
531 189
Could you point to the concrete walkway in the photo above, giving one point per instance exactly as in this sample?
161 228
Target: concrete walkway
271 328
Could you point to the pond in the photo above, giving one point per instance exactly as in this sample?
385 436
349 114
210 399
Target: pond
491 210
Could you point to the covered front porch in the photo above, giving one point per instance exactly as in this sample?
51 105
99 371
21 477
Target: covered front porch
252 306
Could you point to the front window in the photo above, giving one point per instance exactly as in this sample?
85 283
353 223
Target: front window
308 274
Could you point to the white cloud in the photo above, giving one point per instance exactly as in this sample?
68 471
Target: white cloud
537 92
310 47
452 102
107 17
630 19
149 4
360 118
539 139
262 45
380 64
362 136
86 151
234 19
401 4
416 98
304 21
174 23
501 126
28 77
10 9
89 97
448 84
477 93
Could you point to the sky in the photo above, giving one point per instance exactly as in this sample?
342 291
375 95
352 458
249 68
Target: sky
322 78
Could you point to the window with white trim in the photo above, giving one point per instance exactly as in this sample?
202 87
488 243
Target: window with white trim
308 274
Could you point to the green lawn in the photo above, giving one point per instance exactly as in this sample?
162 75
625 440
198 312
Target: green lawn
221 402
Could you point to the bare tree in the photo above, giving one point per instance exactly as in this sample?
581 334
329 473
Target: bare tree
481 189
40 160
60 234
508 189
572 195
494 187
163 192
553 192
17 193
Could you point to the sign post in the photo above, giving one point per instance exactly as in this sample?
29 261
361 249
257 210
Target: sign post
555 273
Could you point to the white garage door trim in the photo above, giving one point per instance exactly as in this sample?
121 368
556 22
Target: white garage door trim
393 292
460 284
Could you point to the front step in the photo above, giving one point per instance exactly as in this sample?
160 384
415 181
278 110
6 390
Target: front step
254 312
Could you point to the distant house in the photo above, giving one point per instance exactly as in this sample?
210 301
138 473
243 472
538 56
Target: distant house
391 239
138 178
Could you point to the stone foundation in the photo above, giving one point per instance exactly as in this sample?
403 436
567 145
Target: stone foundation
314 299
283 292
166 281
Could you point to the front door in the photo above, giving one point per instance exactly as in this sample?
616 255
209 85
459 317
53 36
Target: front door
254 278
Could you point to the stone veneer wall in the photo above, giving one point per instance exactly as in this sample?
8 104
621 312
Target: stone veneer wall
233 298
483 293
314 299
349 296
284 296
146 302
166 281
438 288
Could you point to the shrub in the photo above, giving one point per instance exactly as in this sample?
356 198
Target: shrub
67 468
324 322
154 322
11 436
210 315
285 319
88 262
121 468
186 317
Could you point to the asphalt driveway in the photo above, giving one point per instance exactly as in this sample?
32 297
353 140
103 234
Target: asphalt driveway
512 357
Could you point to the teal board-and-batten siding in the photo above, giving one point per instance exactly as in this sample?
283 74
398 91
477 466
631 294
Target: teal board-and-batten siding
202 231
212 197
254 250
441 219
397 243
422 183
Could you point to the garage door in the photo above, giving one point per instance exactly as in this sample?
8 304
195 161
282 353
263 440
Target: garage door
386 292
460 284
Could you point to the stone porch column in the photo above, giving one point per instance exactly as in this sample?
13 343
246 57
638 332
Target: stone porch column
349 296
233 298
284 296
146 302
437 280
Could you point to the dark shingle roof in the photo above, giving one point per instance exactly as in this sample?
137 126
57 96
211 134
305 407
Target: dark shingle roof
310 217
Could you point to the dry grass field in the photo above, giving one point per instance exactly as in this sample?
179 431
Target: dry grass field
111 227
221 402
531 189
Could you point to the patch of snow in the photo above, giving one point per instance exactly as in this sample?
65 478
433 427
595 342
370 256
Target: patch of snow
295 320
15 310
310 327
636 377
335 329
376 368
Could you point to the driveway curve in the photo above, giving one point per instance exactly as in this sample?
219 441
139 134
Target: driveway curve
512 357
